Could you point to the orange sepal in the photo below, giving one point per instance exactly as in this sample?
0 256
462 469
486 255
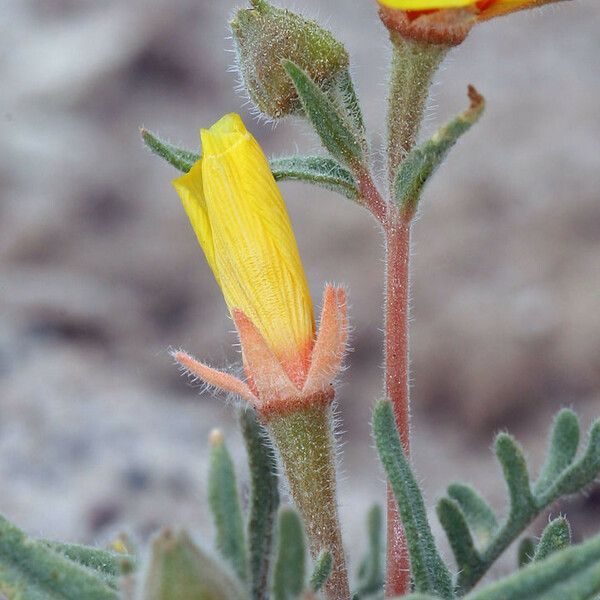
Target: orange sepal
329 349
216 378
266 374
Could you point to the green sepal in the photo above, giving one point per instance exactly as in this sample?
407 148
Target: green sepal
370 573
337 133
429 572
264 501
30 570
317 170
225 506
179 570
525 552
556 536
478 513
289 573
457 530
109 565
571 574
321 570
562 448
422 161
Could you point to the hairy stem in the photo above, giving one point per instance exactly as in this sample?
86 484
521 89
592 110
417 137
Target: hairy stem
305 442
397 388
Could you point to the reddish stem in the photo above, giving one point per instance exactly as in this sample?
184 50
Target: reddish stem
397 233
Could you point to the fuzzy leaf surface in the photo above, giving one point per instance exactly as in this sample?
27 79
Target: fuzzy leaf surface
556 536
336 132
290 564
429 572
422 161
264 501
226 509
30 570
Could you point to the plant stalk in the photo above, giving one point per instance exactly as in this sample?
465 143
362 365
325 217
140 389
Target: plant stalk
397 285
305 442
412 69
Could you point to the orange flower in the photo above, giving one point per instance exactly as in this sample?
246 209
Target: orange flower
445 21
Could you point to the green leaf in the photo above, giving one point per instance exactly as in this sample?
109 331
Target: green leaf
430 574
421 162
480 517
224 503
179 570
109 565
571 574
457 530
336 133
290 565
371 571
514 466
526 551
318 170
30 570
556 536
181 159
264 501
562 449
580 474
321 571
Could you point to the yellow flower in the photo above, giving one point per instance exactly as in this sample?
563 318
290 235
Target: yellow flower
446 21
240 220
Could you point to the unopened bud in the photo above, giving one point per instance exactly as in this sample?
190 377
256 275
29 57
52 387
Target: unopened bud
266 35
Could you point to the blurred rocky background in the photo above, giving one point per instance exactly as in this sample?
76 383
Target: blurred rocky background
100 272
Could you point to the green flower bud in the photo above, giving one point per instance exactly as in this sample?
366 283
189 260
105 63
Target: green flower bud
265 36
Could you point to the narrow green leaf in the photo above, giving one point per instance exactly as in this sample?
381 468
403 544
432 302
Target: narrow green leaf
526 551
580 474
179 570
421 162
562 449
478 513
178 157
290 564
225 506
30 570
318 170
514 466
371 571
321 571
430 574
556 536
109 565
336 133
571 574
264 501
457 530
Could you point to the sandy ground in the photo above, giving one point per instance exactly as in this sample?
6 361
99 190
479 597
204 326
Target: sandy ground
100 273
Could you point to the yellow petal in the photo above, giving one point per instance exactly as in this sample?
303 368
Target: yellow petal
190 190
426 4
242 224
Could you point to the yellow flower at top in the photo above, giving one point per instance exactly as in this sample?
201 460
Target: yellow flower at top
240 220
446 21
